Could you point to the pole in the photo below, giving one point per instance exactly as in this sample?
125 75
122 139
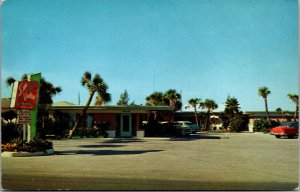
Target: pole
33 113
24 132
181 100
28 132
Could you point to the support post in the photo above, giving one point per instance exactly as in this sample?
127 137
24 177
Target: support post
24 132
33 112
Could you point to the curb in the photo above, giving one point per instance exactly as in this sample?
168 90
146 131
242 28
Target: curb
27 154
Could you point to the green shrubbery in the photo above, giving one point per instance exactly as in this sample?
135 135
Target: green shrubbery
264 125
16 145
98 131
90 133
238 124
10 131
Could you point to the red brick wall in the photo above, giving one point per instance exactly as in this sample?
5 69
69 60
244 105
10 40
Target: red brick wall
108 118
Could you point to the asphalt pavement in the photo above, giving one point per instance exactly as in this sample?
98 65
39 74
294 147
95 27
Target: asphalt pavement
203 161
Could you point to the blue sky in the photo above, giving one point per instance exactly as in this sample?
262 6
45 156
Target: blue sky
203 48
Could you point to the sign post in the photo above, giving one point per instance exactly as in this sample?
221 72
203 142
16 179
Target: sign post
33 112
25 119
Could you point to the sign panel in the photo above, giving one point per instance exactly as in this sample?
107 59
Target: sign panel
25 95
24 116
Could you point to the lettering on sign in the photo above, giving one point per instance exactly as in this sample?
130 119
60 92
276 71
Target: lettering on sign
26 95
24 116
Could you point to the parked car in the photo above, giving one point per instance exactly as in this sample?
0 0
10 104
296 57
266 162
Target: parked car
193 127
289 129
182 130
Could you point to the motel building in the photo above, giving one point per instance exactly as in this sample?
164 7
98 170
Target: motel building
127 121
123 121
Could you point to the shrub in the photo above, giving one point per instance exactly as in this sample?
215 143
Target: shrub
31 146
98 131
10 131
264 125
9 115
236 124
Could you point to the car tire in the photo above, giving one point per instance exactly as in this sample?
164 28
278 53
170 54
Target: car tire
277 136
290 136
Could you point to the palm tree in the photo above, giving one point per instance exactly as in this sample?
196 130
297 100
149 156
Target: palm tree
295 98
264 92
172 98
10 81
193 103
95 85
47 92
231 106
210 105
155 99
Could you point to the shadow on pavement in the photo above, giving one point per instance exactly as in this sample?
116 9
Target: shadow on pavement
43 182
104 152
123 140
194 137
100 146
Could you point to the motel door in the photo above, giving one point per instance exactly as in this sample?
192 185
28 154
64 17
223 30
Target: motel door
126 125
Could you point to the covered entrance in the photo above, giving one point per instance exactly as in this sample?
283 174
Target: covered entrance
126 125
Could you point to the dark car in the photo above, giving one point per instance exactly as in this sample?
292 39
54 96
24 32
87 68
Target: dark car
181 129
289 129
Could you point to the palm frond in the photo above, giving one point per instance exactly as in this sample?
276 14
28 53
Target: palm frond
86 80
58 89
264 92
97 80
83 81
102 99
294 97
9 81
24 77
87 75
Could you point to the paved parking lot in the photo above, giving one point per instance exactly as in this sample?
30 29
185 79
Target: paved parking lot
204 161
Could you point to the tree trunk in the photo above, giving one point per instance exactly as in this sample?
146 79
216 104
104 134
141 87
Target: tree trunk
172 118
206 121
82 114
296 112
267 111
196 117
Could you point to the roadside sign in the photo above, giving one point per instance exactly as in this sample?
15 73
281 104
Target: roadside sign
25 95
